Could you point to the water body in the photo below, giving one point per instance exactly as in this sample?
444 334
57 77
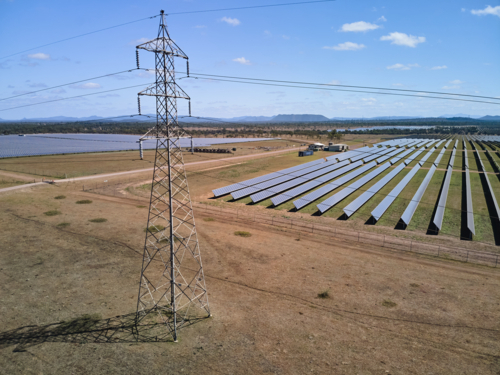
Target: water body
49 144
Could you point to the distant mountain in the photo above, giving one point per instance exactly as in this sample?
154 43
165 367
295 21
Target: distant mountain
250 118
299 118
490 118
460 115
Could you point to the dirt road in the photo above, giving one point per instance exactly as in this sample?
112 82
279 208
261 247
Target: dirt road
108 175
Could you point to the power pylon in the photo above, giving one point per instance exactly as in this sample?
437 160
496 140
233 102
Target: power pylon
172 286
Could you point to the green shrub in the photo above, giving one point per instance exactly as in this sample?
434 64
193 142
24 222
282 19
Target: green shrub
324 294
63 225
154 228
242 233
389 303
84 201
208 219
60 197
98 220
52 213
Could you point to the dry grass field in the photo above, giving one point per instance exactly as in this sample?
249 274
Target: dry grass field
282 302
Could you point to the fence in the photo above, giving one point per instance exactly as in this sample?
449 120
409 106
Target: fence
459 254
445 252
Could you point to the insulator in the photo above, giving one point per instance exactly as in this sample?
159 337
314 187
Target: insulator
189 103
139 104
187 67
137 57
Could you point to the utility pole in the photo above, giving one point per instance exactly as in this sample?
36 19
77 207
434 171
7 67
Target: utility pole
172 286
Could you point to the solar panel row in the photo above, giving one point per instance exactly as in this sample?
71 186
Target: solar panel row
337 197
253 181
311 197
468 193
278 180
297 181
312 184
352 207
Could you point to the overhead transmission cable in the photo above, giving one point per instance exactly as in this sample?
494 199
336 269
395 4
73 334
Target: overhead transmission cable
72 83
73 97
250 7
174 13
78 36
348 86
346 90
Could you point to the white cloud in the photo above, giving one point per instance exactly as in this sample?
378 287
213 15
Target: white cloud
439 67
403 67
286 37
494 11
402 39
199 26
360 26
89 85
456 82
334 82
58 91
451 87
231 21
382 19
463 9
242 60
39 56
347 46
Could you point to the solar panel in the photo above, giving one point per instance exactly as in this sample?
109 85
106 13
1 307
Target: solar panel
438 217
373 150
278 180
311 197
348 154
439 157
378 154
297 181
490 188
391 154
424 159
312 184
387 201
468 193
352 207
414 156
253 181
447 143
342 194
399 157
413 204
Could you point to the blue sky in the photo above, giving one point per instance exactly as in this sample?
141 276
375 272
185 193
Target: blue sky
437 46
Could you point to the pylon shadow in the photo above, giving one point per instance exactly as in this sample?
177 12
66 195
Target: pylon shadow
91 329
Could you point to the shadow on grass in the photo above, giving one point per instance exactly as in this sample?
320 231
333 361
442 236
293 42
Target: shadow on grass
93 329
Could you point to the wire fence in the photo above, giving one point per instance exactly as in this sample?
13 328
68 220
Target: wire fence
388 241
445 252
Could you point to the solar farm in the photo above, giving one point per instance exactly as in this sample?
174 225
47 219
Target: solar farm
437 182
52 144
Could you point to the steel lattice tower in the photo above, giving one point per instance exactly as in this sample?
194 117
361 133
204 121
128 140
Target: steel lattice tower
172 287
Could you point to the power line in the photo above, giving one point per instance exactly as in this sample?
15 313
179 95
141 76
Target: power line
345 90
79 36
348 86
71 83
175 13
250 7
72 97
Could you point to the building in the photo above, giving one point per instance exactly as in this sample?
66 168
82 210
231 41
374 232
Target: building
317 147
340 147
